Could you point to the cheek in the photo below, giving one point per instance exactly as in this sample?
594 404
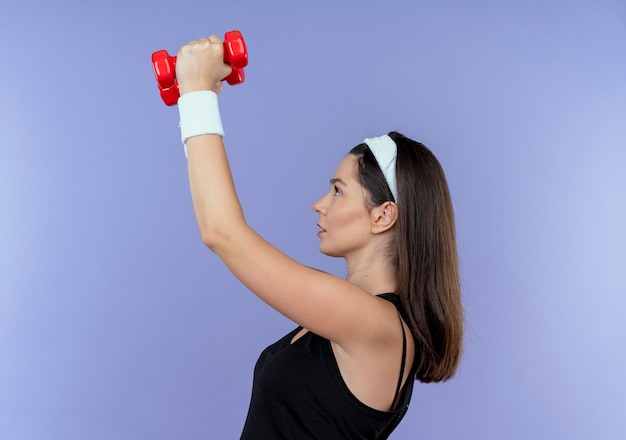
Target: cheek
356 219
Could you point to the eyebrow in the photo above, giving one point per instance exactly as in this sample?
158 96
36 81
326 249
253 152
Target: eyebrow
337 180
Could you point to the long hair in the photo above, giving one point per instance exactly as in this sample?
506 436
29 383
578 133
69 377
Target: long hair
425 253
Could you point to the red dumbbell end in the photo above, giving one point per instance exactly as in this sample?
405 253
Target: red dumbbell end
164 67
235 51
237 76
170 95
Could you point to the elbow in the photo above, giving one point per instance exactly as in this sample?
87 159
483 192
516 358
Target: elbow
211 239
219 240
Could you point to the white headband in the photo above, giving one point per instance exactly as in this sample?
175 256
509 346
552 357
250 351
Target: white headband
385 152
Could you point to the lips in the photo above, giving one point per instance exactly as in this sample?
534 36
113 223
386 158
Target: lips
322 230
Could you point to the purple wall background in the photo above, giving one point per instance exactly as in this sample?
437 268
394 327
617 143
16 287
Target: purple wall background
116 322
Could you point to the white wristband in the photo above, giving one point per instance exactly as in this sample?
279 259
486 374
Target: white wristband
199 114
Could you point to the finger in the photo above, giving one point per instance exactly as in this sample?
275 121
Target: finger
215 39
187 47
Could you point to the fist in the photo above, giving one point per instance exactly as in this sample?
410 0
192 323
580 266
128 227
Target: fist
200 65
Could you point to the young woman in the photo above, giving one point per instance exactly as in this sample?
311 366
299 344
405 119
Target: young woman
347 371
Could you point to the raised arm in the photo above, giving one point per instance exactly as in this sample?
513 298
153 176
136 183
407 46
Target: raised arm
327 305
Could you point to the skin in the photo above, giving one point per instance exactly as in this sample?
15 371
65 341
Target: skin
364 330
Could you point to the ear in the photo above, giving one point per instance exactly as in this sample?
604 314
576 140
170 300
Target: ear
384 217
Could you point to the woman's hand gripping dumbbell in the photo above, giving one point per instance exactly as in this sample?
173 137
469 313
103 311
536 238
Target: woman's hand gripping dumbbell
164 66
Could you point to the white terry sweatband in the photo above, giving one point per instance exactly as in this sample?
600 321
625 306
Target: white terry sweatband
385 151
199 114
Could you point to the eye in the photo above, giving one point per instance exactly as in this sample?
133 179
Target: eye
336 193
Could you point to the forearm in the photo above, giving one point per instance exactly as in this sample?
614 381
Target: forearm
217 207
199 70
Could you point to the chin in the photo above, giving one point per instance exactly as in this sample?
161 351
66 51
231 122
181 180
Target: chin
329 252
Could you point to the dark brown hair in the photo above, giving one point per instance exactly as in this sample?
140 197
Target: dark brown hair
425 253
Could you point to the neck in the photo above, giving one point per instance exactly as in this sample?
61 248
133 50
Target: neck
373 273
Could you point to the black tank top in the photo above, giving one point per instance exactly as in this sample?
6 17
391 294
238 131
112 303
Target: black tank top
298 393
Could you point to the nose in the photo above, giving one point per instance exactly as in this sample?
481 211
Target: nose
320 206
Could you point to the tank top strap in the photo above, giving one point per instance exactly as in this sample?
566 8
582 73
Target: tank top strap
395 300
402 365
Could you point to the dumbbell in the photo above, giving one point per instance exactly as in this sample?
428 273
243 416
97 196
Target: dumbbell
164 66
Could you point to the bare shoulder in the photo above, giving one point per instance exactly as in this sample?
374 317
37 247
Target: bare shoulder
371 368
